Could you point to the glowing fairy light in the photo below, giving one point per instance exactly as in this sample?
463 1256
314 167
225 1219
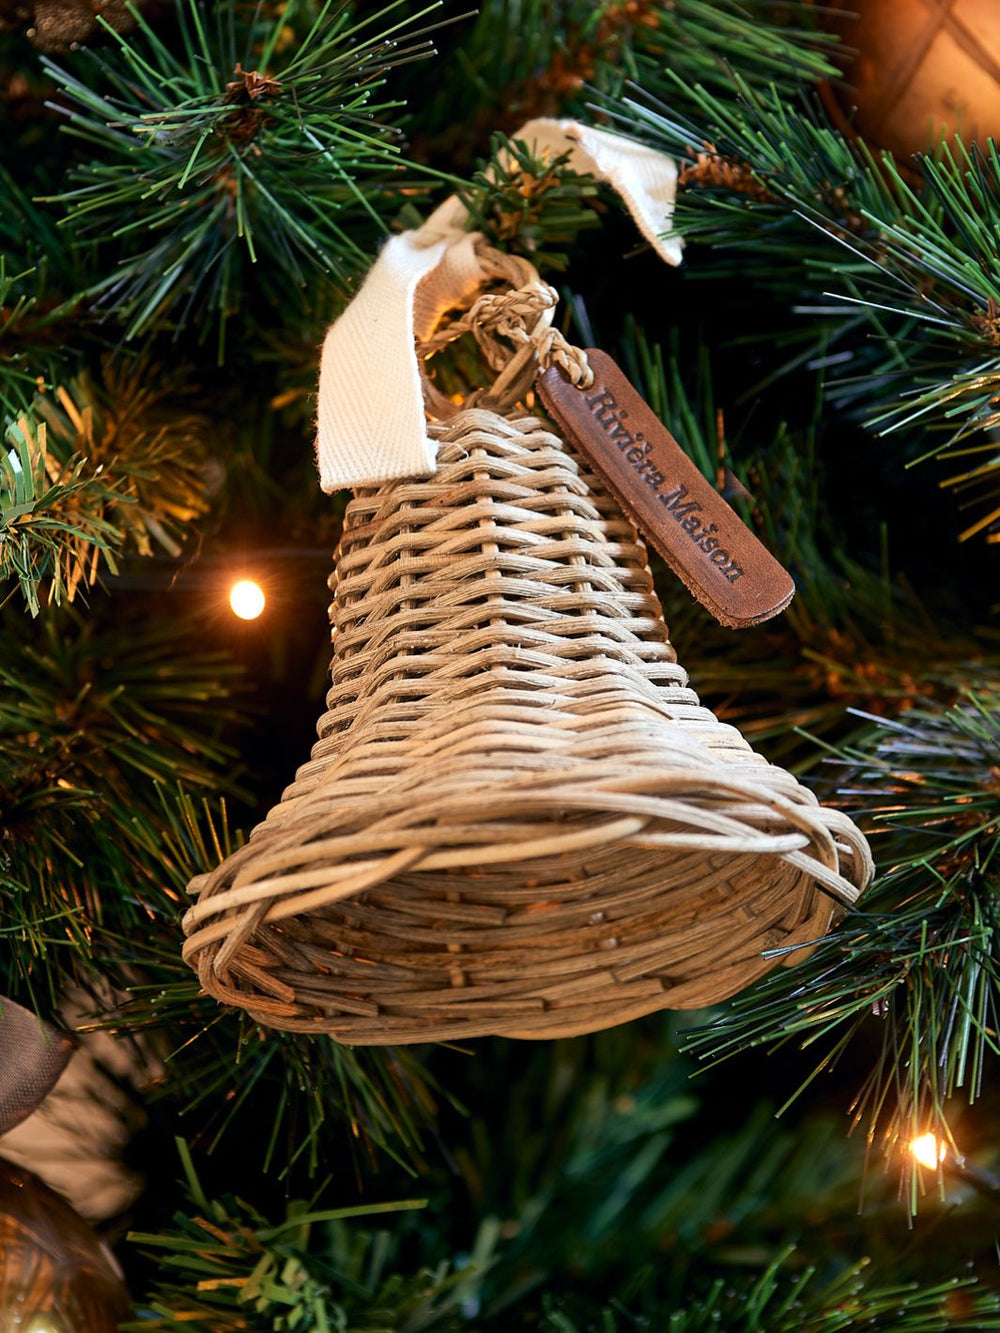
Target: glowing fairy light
932 1153
246 599
928 1151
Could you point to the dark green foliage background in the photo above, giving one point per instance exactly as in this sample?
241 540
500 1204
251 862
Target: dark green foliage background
175 239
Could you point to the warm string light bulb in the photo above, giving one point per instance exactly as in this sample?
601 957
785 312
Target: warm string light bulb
932 1153
246 599
929 1151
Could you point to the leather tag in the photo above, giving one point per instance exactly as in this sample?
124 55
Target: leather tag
705 543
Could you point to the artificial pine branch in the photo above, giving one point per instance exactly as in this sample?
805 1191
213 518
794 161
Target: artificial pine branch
529 204
916 962
54 522
547 57
253 154
36 277
223 1266
92 720
829 216
138 426
787 1299
97 470
614 1184
850 638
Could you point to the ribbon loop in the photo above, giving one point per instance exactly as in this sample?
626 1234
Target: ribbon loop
371 413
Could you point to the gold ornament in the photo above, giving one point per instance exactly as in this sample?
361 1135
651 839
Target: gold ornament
55 1275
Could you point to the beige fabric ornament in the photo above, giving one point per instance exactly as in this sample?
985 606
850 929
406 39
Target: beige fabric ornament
77 1140
517 819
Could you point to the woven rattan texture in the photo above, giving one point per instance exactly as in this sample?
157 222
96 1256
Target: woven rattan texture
517 819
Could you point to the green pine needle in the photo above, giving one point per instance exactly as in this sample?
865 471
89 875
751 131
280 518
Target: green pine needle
828 218
92 471
527 58
256 155
225 1266
785 1298
55 523
531 205
852 634
93 719
917 963
37 329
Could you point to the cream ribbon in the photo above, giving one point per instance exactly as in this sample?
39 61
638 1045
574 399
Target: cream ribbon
371 420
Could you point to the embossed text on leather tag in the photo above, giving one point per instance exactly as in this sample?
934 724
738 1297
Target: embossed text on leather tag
702 539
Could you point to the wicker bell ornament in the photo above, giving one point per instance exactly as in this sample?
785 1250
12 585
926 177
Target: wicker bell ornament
517 818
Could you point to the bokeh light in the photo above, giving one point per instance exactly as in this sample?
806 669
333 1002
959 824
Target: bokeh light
928 1151
247 599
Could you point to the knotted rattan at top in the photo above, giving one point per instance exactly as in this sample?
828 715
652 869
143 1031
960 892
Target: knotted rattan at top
517 818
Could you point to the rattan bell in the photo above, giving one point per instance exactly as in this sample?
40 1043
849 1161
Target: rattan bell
517 819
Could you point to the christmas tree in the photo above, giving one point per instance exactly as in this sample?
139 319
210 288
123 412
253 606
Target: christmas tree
191 193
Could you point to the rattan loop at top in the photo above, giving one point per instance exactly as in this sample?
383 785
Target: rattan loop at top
513 329
524 318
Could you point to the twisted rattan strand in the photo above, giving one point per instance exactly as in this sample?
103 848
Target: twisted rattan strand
517 818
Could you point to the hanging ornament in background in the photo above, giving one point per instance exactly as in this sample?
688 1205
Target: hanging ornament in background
33 1054
78 1139
518 820
921 68
57 25
55 1275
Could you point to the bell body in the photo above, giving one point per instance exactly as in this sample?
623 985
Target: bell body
517 818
